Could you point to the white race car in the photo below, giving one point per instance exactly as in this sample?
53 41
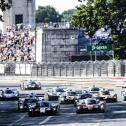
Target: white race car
108 95
30 85
68 97
9 94
94 91
55 93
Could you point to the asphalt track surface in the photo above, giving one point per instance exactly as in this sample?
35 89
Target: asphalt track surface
115 115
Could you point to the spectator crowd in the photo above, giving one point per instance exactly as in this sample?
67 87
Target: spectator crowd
17 45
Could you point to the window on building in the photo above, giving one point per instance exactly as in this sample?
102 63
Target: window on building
19 19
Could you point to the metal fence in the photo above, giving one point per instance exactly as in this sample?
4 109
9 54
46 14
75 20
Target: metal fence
74 69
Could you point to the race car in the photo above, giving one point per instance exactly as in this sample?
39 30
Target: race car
94 91
123 93
107 95
30 85
67 97
9 94
26 100
81 97
44 108
80 92
54 94
90 105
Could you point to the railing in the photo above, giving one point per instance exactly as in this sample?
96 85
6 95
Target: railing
74 69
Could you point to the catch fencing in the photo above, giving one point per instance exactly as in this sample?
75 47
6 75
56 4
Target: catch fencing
74 69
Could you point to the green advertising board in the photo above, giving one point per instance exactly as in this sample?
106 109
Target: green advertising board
107 47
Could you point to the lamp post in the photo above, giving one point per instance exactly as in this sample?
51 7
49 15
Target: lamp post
90 51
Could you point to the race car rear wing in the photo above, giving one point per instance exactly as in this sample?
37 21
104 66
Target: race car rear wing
40 96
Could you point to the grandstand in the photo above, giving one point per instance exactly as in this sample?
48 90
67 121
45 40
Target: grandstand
17 45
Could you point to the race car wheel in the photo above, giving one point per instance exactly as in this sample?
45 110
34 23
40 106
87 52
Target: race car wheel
124 98
78 112
102 111
115 100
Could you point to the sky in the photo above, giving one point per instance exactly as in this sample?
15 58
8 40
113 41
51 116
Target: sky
59 5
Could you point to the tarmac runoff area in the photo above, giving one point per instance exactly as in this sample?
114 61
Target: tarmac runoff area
66 81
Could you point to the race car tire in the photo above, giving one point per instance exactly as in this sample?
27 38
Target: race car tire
115 100
57 109
75 104
78 112
102 111
124 98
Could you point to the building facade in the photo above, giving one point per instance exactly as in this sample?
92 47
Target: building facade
20 12
59 44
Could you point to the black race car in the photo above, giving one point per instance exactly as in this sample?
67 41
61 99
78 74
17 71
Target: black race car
44 108
30 85
27 101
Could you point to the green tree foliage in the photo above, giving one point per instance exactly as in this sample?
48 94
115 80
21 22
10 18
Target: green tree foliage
67 15
3 7
104 13
47 14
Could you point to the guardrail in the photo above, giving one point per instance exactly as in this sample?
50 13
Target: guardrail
79 69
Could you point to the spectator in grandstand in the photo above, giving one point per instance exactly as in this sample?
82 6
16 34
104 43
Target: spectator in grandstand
17 45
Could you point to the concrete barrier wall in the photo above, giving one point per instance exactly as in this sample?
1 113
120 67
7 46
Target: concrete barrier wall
73 69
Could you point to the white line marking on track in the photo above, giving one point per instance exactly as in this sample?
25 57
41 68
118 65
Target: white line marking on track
22 117
46 120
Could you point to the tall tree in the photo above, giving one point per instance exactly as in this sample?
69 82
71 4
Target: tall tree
47 14
110 14
67 15
3 7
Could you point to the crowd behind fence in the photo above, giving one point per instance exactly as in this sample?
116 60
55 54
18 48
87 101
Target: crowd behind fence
74 69
17 44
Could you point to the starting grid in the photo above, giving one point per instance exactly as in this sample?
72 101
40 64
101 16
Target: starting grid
80 69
